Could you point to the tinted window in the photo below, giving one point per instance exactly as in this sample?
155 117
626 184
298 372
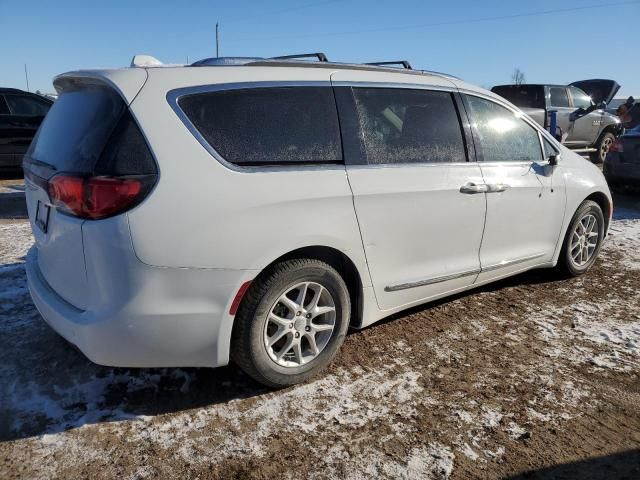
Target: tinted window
4 109
580 99
281 125
73 134
126 151
409 126
522 96
558 97
503 135
27 105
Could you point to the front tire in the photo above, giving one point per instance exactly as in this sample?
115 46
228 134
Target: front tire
291 322
583 239
603 146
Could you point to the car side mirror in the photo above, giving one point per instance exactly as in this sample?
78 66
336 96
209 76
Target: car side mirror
553 160
576 114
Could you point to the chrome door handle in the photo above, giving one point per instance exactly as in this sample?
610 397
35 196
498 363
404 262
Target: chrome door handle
497 187
474 188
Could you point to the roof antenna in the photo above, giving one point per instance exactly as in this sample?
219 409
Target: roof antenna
26 76
217 42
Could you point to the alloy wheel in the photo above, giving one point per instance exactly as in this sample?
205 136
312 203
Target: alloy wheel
604 148
299 324
584 240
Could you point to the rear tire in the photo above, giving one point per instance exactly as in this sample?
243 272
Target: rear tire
291 322
603 145
583 240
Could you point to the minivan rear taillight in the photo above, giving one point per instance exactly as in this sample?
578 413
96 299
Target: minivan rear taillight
98 197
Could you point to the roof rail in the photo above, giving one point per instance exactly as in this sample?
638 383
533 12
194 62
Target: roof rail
323 62
441 74
217 61
405 64
319 55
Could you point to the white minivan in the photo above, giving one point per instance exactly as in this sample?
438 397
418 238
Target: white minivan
256 209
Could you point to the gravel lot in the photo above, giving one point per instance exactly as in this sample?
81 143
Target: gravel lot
534 374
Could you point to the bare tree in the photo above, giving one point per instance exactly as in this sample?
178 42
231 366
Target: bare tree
518 77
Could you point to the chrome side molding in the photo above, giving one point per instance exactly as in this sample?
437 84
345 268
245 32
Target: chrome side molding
453 276
429 281
508 263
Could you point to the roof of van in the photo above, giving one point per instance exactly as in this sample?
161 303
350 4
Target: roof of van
130 80
147 61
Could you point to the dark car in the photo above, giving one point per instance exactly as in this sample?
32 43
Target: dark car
622 166
20 116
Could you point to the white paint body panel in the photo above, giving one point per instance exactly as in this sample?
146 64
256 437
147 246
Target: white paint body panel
61 261
158 281
515 237
416 225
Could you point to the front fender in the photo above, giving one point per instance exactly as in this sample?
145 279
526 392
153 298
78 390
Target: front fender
583 180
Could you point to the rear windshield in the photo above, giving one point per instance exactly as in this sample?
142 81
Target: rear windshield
522 96
75 131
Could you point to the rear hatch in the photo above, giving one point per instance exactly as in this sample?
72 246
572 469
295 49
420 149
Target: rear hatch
600 90
88 161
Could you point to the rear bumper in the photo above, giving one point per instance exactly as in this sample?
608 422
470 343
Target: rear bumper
163 317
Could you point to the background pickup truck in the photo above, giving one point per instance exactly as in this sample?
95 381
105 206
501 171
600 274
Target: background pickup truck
582 120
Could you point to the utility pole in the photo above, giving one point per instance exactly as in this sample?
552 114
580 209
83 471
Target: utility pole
26 76
217 41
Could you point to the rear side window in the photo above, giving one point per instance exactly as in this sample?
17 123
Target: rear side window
26 105
409 126
558 97
268 126
522 96
503 135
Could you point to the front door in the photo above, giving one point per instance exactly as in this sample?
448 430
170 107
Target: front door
586 127
559 101
420 232
525 194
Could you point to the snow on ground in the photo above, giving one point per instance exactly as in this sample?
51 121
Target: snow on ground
354 419
15 241
12 187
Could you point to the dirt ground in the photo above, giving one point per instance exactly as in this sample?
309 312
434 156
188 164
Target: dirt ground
532 377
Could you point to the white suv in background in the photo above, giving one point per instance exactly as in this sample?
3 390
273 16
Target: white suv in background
255 209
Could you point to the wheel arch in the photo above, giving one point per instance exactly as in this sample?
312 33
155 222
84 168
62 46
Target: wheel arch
614 129
603 202
597 196
345 266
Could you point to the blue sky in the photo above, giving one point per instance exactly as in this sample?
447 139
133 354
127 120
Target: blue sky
461 37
